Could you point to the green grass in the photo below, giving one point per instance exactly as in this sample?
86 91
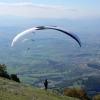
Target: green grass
10 90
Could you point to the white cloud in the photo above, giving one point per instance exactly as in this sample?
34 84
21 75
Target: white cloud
40 10
36 6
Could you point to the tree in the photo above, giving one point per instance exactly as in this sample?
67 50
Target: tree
3 72
14 77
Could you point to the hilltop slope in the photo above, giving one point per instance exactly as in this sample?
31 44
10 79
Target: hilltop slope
10 90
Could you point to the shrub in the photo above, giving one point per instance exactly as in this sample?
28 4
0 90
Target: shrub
97 97
14 77
76 93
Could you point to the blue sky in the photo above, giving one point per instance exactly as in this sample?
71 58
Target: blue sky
73 3
50 8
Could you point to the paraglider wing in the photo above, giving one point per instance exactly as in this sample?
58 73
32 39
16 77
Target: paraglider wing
34 32
46 27
31 39
74 36
27 39
22 34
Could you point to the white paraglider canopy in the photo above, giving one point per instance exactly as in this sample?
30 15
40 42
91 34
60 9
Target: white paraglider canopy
74 36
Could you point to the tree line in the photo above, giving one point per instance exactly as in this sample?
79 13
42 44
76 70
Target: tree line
4 74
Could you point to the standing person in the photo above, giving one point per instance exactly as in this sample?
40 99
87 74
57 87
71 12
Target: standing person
46 84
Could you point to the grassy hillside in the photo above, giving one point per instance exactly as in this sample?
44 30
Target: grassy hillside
10 90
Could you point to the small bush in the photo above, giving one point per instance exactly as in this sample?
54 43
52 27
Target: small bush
14 77
76 93
97 97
